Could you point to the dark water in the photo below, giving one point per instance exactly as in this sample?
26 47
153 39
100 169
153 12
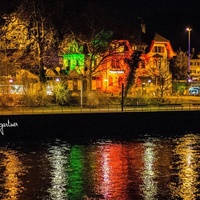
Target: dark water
143 168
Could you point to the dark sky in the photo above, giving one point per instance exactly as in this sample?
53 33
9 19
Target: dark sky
166 17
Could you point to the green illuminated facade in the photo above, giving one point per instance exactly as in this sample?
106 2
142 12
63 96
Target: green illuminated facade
73 61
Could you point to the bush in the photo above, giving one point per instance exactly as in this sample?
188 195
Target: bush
62 95
141 100
34 100
6 100
92 99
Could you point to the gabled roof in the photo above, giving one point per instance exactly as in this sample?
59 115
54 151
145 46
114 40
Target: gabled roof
51 72
160 38
122 43
74 73
21 73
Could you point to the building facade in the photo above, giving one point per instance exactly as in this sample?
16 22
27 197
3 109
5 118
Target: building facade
151 75
195 67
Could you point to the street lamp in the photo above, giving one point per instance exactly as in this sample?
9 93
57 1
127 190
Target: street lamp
81 79
188 30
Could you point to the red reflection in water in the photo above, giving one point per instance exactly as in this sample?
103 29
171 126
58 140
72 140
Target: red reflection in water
113 173
135 153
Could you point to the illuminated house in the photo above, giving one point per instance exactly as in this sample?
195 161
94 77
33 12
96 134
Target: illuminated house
114 69
108 76
153 70
70 70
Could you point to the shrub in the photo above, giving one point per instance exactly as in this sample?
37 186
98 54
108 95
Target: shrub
6 100
34 100
62 95
92 99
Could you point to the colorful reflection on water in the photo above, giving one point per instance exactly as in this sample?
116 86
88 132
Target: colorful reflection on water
150 168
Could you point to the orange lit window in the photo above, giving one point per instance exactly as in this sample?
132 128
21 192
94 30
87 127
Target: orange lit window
158 49
98 84
110 81
115 64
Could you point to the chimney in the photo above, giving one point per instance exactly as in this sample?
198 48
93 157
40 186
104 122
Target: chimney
143 27
193 50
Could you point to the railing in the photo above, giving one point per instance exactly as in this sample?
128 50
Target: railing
100 109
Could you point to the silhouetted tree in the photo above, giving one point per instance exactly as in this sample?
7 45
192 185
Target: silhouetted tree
180 64
30 31
133 64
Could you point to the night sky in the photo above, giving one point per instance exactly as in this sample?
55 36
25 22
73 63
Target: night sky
166 17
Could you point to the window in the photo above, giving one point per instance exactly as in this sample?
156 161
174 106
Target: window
68 64
98 84
72 48
75 84
110 81
115 64
158 49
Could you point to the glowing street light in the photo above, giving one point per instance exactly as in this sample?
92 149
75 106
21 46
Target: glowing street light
188 30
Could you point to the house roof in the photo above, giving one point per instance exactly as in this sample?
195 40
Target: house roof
74 73
51 72
160 38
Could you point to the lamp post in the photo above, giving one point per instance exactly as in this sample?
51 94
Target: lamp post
81 79
188 30
158 58
122 103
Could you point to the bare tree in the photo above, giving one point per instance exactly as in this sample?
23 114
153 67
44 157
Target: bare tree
180 64
133 64
96 49
32 34
159 71
93 33
164 83
13 34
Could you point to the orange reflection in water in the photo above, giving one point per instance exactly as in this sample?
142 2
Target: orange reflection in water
188 163
12 170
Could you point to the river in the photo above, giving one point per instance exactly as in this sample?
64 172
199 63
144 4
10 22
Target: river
113 169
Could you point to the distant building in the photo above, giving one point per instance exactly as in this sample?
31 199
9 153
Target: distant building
195 66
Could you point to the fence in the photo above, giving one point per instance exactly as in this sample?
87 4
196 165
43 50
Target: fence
100 109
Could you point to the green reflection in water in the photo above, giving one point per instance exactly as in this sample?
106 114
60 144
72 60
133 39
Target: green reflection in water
75 174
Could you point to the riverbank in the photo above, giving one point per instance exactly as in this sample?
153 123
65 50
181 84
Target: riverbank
99 125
